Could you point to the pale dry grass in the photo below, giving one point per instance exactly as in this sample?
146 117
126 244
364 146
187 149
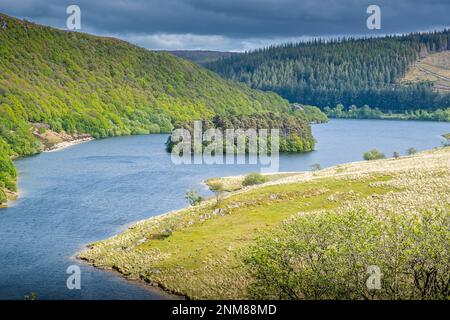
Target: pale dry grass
417 183
434 68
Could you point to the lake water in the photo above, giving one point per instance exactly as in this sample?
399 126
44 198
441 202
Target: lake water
92 191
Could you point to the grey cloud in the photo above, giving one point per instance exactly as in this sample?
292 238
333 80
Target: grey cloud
245 21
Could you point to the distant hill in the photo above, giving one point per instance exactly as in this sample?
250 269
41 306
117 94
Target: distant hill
202 57
347 71
79 83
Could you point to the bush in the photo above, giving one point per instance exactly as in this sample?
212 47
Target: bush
218 189
411 151
254 179
374 155
396 155
193 198
326 255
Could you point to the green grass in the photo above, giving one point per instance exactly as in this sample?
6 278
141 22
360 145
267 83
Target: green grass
188 250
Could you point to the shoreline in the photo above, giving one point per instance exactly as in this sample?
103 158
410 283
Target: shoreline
157 288
147 285
13 196
67 144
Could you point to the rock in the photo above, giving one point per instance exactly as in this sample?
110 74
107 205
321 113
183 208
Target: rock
141 241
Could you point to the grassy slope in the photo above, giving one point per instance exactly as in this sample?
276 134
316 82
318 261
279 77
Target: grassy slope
434 68
80 83
194 251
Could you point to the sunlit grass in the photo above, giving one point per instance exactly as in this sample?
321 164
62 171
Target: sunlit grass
195 251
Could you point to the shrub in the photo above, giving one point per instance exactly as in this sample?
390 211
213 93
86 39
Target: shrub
218 189
254 179
396 155
314 257
411 151
316 167
374 155
193 198
326 255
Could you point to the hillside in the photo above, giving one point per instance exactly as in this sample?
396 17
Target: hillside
345 71
84 84
202 57
434 68
305 235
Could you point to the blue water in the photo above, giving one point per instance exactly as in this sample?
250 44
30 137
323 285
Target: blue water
92 191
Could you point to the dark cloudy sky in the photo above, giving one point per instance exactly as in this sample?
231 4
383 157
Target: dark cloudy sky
232 25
